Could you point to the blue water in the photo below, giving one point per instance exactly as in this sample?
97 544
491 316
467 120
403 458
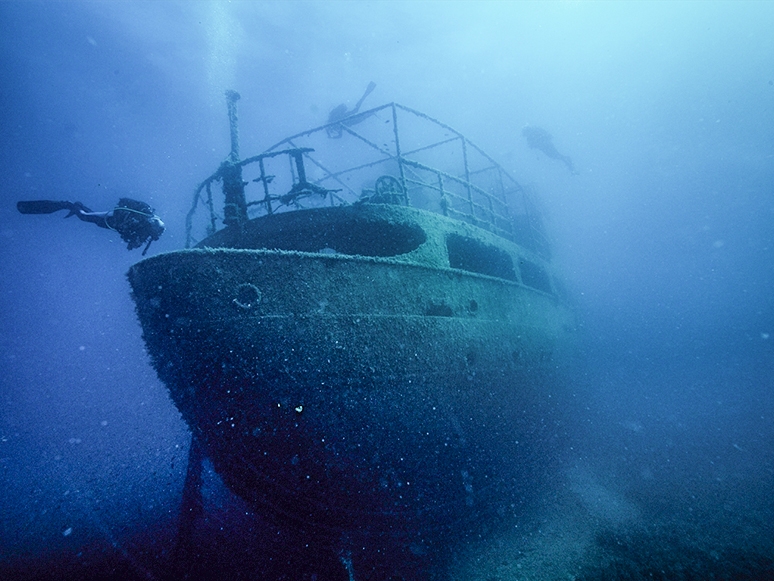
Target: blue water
665 238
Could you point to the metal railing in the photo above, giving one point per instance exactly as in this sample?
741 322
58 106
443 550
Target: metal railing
431 165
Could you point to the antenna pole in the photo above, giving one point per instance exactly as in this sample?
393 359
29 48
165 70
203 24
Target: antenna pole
233 124
235 209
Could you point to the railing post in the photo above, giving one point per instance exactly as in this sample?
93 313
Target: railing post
265 187
444 201
397 154
467 178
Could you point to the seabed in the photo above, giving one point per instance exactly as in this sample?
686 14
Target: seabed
587 530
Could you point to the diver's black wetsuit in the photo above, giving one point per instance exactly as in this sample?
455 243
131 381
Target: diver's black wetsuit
136 222
341 112
540 139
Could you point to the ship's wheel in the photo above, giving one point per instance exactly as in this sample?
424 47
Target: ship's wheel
388 190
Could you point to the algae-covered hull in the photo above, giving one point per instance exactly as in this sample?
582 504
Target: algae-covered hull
339 390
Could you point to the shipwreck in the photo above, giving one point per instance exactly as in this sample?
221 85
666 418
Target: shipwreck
364 335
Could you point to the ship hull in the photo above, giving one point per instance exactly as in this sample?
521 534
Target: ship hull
340 393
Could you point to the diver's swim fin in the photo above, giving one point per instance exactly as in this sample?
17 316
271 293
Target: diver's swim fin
42 206
49 207
371 86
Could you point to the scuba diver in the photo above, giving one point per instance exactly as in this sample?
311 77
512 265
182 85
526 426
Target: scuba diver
538 138
136 222
341 112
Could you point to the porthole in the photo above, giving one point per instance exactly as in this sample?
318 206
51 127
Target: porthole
247 296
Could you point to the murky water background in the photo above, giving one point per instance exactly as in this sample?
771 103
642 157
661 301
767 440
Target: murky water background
665 237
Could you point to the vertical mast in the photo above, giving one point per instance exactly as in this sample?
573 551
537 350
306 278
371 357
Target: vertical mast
235 209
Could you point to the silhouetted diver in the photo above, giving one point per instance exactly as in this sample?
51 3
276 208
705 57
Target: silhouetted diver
136 222
341 112
538 138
